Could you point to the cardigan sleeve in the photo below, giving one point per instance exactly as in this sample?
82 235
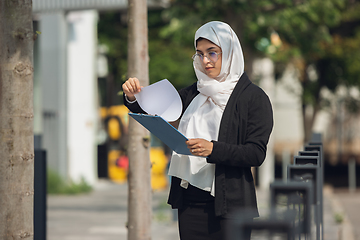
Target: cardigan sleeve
250 150
133 106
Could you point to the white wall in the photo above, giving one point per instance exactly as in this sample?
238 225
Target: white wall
288 131
82 95
264 68
52 81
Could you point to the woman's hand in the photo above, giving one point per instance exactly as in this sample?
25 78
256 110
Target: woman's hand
200 147
131 87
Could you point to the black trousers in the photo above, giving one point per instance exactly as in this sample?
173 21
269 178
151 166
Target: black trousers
200 223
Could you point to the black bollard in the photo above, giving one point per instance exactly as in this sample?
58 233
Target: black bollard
40 195
299 199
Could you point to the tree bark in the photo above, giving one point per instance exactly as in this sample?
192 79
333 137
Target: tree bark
309 117
16 120
139 202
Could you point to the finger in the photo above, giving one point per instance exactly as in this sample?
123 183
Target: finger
189 143
132 85
135 84
128 90
192 142
192 146
125 88
197 150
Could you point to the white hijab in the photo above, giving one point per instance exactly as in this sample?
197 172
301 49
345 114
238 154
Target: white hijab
202 117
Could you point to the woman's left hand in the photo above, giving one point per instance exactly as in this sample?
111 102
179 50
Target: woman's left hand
200 147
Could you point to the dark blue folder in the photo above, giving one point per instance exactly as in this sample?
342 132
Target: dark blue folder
164 131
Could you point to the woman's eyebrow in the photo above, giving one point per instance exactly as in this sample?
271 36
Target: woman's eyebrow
209 49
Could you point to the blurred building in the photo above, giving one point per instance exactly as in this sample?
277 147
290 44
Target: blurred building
339 127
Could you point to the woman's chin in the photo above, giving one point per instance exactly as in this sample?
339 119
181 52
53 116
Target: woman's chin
211 75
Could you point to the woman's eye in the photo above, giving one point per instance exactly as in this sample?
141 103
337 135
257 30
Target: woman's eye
212 54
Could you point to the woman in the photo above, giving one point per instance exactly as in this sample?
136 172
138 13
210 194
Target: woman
228 121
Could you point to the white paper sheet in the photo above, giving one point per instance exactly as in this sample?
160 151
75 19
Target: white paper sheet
160 98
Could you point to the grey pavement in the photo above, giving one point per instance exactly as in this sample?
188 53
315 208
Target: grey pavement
348 204
102 214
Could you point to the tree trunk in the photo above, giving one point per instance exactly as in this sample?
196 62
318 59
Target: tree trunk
306 123
309 112
139 202
309 117
16 120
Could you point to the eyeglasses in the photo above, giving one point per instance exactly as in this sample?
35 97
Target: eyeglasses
212 56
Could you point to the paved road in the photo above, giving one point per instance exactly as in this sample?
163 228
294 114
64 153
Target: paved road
102 215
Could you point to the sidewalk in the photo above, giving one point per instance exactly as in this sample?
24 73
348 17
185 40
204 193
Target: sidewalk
348 205
102 215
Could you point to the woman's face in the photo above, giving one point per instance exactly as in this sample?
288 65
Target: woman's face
204 47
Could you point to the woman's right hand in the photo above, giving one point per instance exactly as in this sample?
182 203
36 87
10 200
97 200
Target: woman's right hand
131 87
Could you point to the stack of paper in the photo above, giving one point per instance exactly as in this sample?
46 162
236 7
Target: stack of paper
163 104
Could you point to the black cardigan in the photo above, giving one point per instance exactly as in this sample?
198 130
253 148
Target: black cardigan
244 132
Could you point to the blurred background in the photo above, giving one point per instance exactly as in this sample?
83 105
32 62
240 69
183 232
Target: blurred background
304 54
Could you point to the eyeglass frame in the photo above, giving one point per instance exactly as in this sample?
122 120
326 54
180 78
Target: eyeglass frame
201 56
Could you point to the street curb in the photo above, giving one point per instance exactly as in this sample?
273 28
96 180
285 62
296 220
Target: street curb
346 229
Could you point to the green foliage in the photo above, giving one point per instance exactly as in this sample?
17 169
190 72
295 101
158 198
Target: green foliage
113 34
56 185
172 62
339 218
320 33
168 59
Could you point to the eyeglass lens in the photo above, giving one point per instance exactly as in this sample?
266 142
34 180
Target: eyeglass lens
212 56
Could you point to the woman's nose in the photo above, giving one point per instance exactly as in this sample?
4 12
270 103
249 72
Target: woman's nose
206 59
